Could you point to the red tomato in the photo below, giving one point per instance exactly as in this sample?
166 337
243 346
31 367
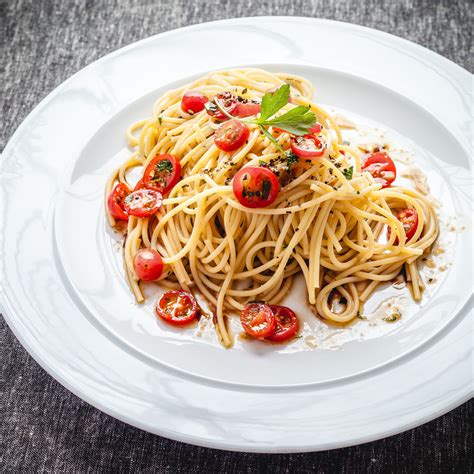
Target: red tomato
231 135
139 185
247 109
286 323
143 202
254 186
193 102
177 307
258 320
148 264
409 220
116 200
381 167
307 146
162 173
227 100
316 128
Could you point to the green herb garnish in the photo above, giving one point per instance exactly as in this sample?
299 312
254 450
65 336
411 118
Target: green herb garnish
160 120
164 165
296 121
348 172
392 318
291 158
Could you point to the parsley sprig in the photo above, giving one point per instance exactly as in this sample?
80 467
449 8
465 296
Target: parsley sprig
296 121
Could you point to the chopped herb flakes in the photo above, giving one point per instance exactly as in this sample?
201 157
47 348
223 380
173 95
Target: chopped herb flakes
392 318
348 172
164 165
266 188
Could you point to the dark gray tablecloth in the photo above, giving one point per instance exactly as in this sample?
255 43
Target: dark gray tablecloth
46 428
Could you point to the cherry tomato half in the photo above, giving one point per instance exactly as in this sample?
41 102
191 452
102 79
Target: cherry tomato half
148 264
139 185
409 220
193 102
255 187
381 167
286 323
177 307
227 100
162 173
116 201
143 202
247 109
307 146
258 320
231 135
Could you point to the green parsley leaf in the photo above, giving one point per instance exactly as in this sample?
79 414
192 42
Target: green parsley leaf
348 172
296 121
273 102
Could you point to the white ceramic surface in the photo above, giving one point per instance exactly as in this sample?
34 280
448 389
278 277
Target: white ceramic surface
63 292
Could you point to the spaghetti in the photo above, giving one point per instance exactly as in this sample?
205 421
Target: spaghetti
328 221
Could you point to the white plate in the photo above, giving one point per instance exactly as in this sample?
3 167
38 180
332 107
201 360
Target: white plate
63 292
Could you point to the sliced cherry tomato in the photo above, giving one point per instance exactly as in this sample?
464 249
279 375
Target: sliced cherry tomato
247 109
258 320
231 135
254 186
227 100
286 323
143 202
177 307
139 185
148 264
116 201
316 128
193 102
307 146
381 167
162 173
409 220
